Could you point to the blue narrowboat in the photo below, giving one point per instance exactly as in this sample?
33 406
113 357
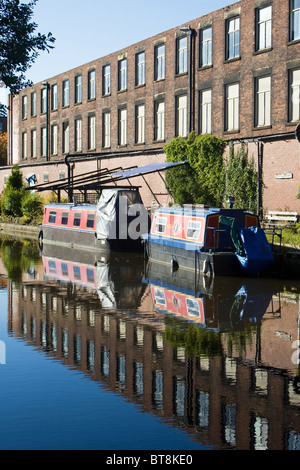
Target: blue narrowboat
210 241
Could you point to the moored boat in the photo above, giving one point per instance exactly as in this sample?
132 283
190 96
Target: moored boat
209 241
116 222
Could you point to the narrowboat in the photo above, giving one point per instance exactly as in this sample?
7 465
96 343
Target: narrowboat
210 241
115 223
218 303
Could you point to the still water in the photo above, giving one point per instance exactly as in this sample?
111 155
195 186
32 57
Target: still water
116 354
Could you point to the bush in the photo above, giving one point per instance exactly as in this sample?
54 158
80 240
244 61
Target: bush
32 206
11 202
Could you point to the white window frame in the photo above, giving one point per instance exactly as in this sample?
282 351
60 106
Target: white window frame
182 55
78 89
92 132
160 62
33 104
78 135
160 120
106 129
54 102
66 137
263 100
140 68
122 74
206 47
264 27
295 95
106 79
232 107
140 124
182 114
43 142
66 93
92 84
33 143
233 38
54 139
206 111
123 126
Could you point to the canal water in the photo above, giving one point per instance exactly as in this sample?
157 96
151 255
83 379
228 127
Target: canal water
113 353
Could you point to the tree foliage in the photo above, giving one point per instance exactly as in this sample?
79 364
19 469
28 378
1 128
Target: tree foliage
201 180
20 45
3 148
207 178
241 179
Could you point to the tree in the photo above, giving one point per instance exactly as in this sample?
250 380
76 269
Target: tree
3 148
19 45
241 180
201 180
11 202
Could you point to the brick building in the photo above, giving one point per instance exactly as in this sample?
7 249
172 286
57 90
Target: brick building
234 73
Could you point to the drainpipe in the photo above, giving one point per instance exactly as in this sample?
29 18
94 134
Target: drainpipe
191 76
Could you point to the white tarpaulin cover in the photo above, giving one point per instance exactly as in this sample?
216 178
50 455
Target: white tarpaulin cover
107 215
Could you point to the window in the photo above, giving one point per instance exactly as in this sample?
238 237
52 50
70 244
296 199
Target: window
140 69
78 135
77 219
160 62
78 89
193 230
295 95
295 20
181 56
24 107
232 107
24 145
90 221
181 120
123 126
33 104
44 100
66 93
92 132
206 47
140 124
160 224
52 217
106 129
106 80
205 106
159 120
33 143
233 38
43 142
66 138
65 218
54 97
92 85
263 101
54 139
264 28
122 75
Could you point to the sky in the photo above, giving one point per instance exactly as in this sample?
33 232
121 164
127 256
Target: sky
86 30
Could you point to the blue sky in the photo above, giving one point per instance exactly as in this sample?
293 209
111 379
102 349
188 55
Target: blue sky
86 30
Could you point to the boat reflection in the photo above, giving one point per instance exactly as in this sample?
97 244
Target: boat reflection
212 357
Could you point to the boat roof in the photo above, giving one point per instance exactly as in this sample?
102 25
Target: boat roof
200 211
66 206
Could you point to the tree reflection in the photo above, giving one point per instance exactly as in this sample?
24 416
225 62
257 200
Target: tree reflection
18 256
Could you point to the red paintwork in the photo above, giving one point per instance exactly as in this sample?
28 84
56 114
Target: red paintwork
71 211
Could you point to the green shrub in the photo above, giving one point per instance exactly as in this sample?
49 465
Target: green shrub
11 202
32 206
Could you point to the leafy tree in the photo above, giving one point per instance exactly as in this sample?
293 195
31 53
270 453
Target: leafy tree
13 193
3 148
201 180
241 179
19 45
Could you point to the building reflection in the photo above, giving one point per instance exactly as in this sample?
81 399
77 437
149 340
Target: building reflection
221 369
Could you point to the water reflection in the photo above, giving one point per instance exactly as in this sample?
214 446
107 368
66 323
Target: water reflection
213 358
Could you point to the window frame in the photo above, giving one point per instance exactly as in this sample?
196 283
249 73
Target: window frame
209 50
236 45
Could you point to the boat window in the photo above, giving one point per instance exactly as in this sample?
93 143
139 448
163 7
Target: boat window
161 223
90 221
76 272
90 275
64 218
160 297
52 217
77 219
193 230
192 308
64 269
52 267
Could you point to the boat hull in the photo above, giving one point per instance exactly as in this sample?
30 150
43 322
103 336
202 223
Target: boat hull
85 239
208 263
